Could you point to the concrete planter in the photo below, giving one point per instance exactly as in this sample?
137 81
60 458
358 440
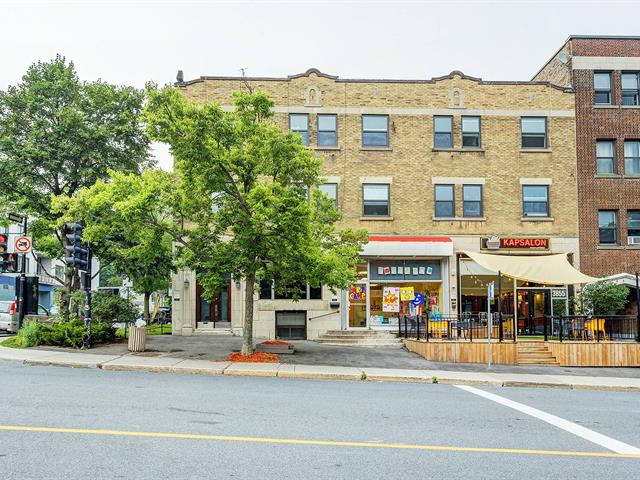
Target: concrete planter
137 339
277 349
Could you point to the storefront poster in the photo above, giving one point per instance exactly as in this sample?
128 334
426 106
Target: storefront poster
406 294
357 293
391 299
421 270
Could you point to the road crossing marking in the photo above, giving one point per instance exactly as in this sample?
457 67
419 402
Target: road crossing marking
291 441
578 430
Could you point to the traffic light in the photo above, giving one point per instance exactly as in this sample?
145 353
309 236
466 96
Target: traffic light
9 263
4 238
77 253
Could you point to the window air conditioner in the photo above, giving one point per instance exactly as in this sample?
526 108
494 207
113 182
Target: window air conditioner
633 240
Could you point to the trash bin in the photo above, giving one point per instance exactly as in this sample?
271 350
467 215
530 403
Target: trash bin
137 338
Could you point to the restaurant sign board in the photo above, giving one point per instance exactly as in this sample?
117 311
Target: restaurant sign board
514 243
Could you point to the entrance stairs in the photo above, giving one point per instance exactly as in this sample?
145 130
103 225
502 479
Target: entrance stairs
360 338
535 353
207 328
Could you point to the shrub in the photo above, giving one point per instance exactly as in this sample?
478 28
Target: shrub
602 298
63 334
110 308
29 335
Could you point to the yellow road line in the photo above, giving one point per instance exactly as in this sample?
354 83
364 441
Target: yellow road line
291 441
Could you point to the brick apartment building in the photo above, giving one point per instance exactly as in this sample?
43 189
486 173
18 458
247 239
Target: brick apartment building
604 72
431 168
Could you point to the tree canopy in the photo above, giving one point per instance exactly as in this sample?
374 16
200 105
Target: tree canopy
248 190
58 135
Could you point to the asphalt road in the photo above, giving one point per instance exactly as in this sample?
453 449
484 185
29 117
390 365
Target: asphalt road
60 423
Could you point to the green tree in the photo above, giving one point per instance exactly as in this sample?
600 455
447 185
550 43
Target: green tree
602 298
58 135
244 185
129 226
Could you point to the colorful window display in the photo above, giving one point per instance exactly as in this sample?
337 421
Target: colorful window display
387 304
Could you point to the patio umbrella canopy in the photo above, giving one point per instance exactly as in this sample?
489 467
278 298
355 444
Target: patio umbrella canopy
550 269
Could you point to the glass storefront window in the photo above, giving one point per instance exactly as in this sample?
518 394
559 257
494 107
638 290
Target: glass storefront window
431 291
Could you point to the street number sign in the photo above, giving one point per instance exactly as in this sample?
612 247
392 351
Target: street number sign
22 245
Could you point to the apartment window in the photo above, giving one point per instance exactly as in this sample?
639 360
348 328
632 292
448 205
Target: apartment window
602 87
375 131
443 132
633 227
534 132
266 289
445 201
630 92
471 132
304 292
535 200
375 200
299 123
472 200
331 191
608 227
605 156
327 130
632 157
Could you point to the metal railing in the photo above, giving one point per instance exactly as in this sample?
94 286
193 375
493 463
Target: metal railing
462 327
596 328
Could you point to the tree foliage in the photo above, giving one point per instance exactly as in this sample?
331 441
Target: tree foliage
602 298
58 135
243 184
129 226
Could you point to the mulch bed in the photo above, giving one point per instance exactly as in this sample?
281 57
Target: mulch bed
256 357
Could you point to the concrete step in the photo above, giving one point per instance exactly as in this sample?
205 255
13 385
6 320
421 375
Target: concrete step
365 345
350 333
350 341
212 332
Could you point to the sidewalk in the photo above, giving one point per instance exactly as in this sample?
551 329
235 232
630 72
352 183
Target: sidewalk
141 362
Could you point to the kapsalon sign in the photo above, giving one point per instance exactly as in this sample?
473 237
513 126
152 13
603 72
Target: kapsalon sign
514 243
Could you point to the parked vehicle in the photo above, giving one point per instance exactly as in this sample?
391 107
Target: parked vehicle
8 316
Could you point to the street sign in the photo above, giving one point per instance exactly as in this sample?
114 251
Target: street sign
14 217
22 245
490 290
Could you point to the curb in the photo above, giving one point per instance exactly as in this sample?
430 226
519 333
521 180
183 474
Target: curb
289 371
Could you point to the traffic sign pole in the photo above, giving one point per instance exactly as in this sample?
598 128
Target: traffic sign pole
23 280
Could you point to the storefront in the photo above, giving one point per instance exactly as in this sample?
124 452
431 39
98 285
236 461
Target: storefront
531 285
395 272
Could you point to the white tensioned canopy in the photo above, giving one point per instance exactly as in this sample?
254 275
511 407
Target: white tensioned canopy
551 269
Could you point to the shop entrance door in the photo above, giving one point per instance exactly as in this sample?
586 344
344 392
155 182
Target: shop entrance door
533 305
358 306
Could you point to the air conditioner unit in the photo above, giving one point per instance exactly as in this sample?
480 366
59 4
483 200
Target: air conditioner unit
633 240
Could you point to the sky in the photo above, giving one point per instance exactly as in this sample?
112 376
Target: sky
135 41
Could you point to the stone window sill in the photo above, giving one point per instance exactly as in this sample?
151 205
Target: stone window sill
631 175
610 247
333 149
632 247
459 219
535 150
458 150
372 218
376 149
630 106
605 106
537 219
607 175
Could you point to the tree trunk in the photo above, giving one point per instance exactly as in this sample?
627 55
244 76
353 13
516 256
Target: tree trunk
247 330
147 316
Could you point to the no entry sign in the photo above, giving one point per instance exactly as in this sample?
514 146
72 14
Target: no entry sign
22 244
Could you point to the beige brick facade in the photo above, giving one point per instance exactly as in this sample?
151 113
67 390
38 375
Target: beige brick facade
411 164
